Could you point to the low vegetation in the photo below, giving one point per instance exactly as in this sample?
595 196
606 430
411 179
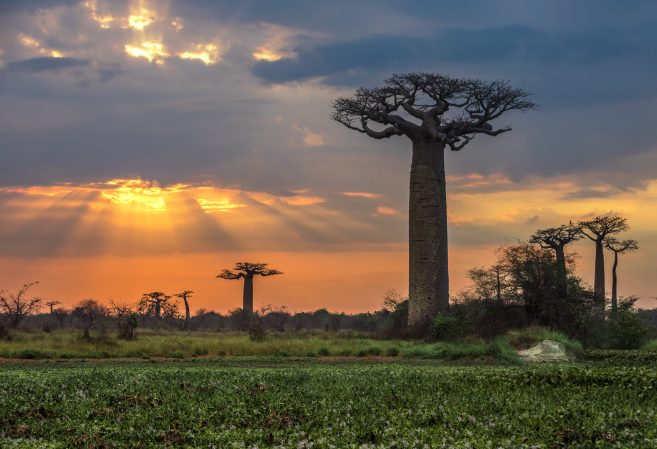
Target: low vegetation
327 405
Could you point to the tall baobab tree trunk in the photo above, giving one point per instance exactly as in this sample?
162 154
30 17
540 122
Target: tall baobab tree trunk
561 269
186 313
247 297
158 312
599 293
614 287
429 277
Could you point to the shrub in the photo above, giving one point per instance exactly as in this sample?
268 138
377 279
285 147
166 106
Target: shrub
323 351
627 331
32 354
444 327
5 334
176 355
200 351
257 331
650 346
392 352
374 350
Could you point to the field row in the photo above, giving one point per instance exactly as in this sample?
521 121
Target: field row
348 405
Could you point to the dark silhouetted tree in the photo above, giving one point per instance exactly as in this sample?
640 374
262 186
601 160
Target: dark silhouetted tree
89 312
435 112
127 319
52 304
152 303
597 230
247 271
185 295
617 247
556 239
17 306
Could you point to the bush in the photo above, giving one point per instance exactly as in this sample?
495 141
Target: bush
627 331
444 327
650 346
176 355
392 352
374 350
323 351
32 354
200 351
5 334
257 331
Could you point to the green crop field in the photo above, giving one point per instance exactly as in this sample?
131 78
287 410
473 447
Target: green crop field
309 403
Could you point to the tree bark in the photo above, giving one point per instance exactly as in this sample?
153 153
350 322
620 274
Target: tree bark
428 274
599 293
247 297
157 309
561 269
186 313
614 286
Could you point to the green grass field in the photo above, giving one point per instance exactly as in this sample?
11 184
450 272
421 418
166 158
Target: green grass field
175 344
310 403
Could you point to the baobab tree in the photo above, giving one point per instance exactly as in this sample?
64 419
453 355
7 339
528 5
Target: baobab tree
435 112
597 230
556 239
247 271
185 295
52 304
617 247
17 306
153 302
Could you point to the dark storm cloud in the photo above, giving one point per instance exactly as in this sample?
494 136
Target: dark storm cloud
590 65
35 65
500 45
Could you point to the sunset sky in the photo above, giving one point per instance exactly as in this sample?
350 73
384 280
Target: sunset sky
147 145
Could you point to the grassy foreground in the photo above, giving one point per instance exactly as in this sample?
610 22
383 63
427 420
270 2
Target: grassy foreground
413 404
66 344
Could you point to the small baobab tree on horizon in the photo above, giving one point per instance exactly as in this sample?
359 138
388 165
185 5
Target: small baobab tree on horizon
435 113
52 304
246 271
152 303
598 229
185 295
617 247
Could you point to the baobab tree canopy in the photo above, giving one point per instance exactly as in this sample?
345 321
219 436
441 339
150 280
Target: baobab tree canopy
244 269
450 111
435 112
248 270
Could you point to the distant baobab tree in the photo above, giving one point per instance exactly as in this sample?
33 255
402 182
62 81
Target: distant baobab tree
556 239
248 270
597 230
52 304
617 247
435 112
185 295
153 302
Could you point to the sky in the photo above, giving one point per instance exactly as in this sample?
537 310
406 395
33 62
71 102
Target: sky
147 145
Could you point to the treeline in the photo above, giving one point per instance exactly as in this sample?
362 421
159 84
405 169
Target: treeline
534 283
531 283
94 319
